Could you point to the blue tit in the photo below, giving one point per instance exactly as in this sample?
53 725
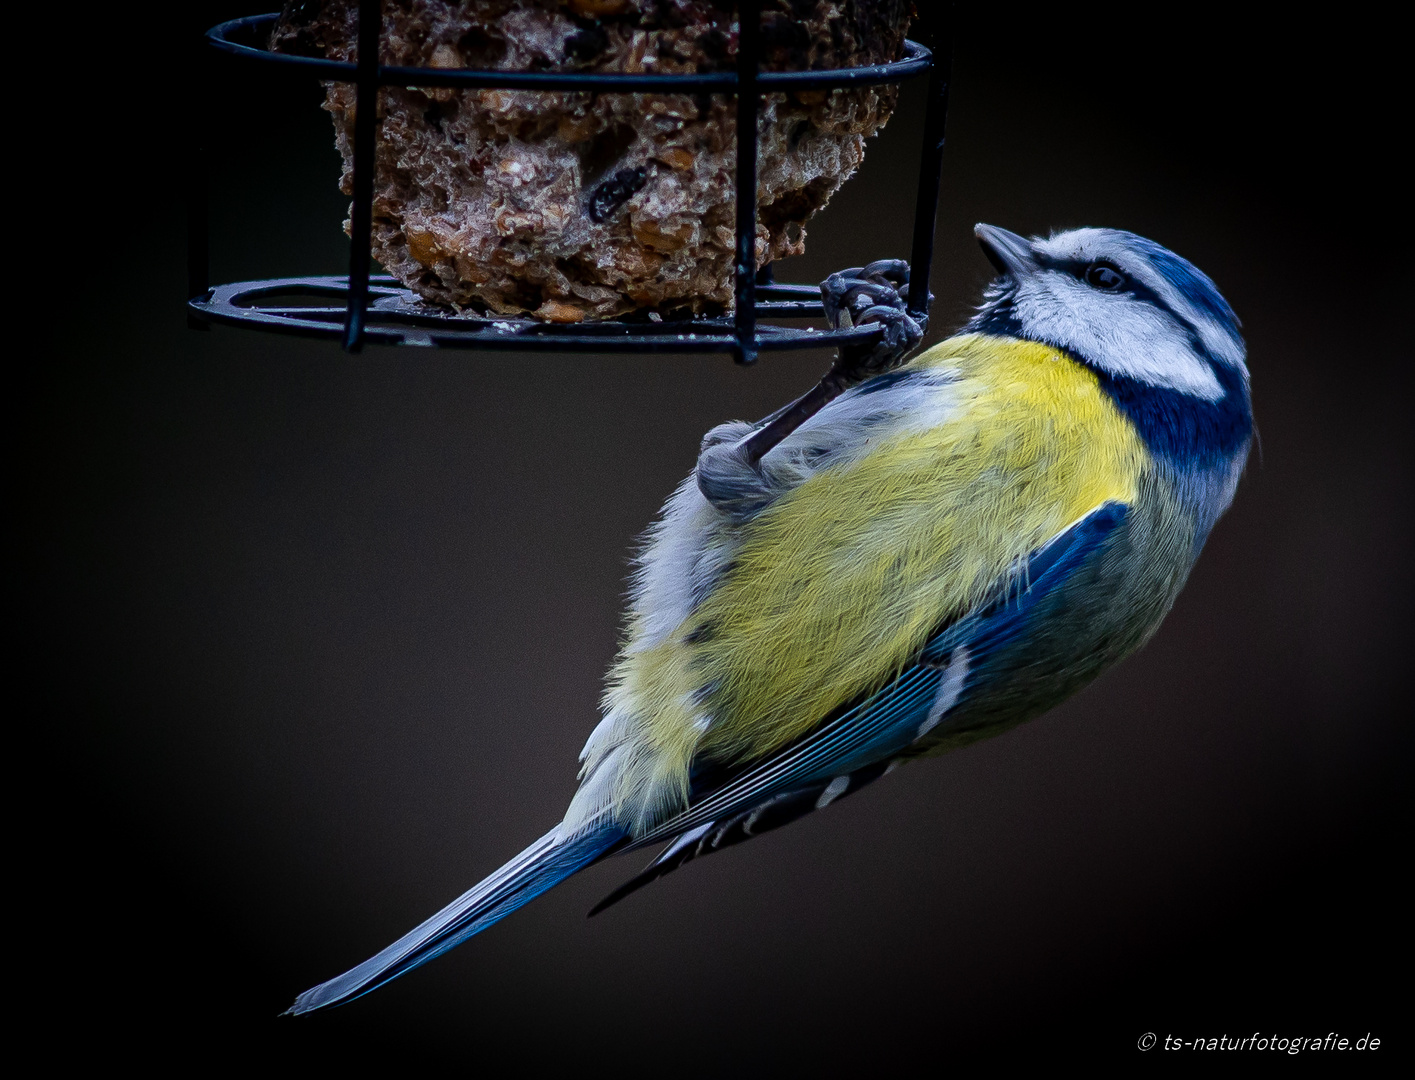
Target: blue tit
943 551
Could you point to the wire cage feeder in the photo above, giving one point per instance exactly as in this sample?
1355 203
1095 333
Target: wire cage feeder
364 307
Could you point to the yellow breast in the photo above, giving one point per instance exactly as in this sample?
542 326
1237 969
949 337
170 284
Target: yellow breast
840 582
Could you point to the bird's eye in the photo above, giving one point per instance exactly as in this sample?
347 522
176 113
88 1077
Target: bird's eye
1103 275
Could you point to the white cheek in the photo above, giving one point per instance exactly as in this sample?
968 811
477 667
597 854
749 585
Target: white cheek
1118 334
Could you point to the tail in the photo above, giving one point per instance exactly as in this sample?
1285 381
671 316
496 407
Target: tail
546 863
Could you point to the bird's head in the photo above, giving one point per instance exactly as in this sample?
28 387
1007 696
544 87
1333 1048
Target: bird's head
1124 305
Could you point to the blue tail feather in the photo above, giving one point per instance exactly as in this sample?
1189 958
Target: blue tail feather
543 865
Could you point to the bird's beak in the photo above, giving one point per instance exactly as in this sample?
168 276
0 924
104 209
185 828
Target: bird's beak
1007 251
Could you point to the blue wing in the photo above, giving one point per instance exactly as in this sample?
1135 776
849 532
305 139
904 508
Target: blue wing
859 742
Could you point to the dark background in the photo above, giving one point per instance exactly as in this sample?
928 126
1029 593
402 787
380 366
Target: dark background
312 641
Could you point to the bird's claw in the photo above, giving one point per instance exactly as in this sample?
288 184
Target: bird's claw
872 294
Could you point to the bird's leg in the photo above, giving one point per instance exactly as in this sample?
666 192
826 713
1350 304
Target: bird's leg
854 297
729 467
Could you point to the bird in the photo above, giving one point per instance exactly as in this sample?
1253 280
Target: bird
947 548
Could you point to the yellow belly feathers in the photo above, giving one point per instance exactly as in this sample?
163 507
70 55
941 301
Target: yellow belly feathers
840 582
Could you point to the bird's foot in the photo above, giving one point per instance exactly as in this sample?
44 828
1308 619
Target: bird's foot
872 294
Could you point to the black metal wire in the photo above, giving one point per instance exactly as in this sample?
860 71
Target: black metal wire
317 306
940 37
198 210
365 132
396 316
748 99
223 37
